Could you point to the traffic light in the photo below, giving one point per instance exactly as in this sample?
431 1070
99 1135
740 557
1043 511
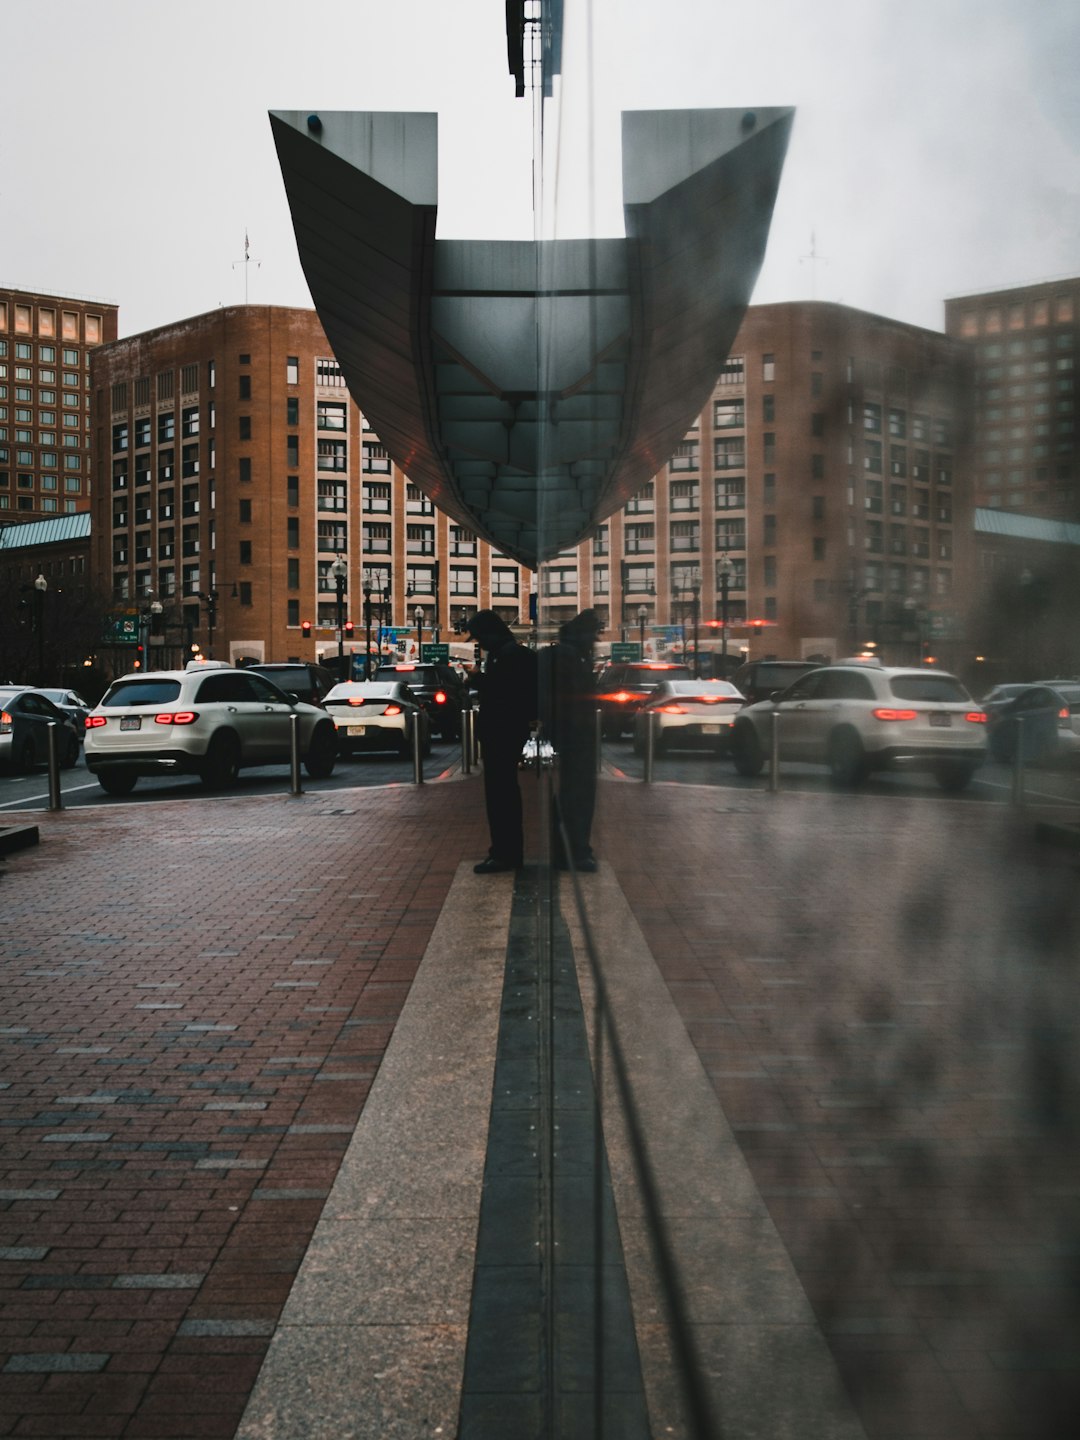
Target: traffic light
350 629
305 629
139 653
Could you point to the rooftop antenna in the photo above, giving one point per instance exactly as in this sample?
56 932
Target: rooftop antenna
815 260
246 261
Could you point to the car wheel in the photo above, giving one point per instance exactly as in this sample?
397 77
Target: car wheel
954 775
222 763
746 752
117 782
322 752
846 759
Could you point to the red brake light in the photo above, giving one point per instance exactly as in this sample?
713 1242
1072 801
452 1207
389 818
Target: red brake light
885 713
440 697
176 717
5 720
92 721
672 709
978 717
1064 715
392 710
356 699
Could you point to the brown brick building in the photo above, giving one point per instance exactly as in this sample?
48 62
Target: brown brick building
45 345
1024 344
235 469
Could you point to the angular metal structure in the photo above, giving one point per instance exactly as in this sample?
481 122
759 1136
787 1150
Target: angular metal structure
530 388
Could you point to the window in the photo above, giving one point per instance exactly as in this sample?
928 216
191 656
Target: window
292 532
897 460
817 507
730 454
244 387
142 431
768 409
292 489
768 529
731 493
292 451
768 571
685 536
639 579
189 421
120 437
733 371
245 427
872 418
328 372
768 448
601 541
333 495
245 552
292 613
420 580
166 427
244 464
244 511
684 495
333 536
189 457
639 539
462 542
504 583
817 424
819 547
189 379
375 460
768 368
462 580
292 370
601 580
730 535
560 579
817 467
730 414
687 455
420 539
331 415
872 457
292 410
376 497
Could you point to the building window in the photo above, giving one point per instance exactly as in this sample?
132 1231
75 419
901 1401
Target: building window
120 437
504 583
333 536
419 580
601 580
292 573
462 542
817 507
560 580
292 410
376 497
768 368
292 451
872 458
817 467
245 552
245 512
730 414
639 539
687 455
189 422
245 427
420 539
244 387
731 493
768 448
733 371
331 415
684 495
768 529
292 370
292 613
730 454
685 536
601 540
292 532
768 409
872 418
333 495
189 379
375 538
328 373
639 579
375 460
292 489
462 580
245 592
189 461
768 571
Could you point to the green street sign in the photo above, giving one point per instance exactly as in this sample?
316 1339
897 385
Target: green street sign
121 629
623 651
435 653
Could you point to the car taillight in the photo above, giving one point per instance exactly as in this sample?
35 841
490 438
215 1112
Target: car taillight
885 713
624 697
356 700
5 722
176 717
718 700
439 697
672 709
978 717
93 722
392 710
1064 715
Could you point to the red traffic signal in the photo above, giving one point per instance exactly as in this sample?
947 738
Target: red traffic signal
350 629
305 629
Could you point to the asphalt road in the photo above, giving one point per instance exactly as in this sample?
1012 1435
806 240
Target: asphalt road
992 785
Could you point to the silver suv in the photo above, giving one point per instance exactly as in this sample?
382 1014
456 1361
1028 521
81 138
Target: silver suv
856 718
209 720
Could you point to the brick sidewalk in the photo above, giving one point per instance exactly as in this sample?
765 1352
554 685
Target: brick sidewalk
196 999
884 996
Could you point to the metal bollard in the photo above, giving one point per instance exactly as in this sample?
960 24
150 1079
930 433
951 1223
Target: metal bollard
294 753
774 752
466 751
1018 764
474 749
55 802
650 744
417 758
599 741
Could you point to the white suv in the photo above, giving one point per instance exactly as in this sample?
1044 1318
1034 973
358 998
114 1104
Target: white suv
208 720
859 717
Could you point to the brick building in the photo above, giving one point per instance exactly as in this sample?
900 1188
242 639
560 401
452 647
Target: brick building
45 345
235 469
1024 344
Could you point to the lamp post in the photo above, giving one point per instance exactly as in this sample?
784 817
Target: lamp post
367 624
340 570
40 587
418 616
696 592
210 600
642 615
725 569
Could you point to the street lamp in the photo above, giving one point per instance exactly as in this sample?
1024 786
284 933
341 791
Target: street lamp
40 586
695 590
418 616
642 615
725 569
340 570
367 623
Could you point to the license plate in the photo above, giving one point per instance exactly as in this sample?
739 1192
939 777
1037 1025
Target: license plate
356 730
711 729
130 722
939 717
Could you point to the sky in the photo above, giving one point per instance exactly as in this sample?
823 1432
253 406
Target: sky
936 148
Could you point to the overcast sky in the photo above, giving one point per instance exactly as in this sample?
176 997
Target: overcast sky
936 149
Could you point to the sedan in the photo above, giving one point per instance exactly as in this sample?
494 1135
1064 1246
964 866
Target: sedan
623 687
377 715
72 704
688 714
1047 715
25 716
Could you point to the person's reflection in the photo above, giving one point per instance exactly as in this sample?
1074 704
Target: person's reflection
568 693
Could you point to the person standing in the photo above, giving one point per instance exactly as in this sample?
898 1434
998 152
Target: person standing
568 699
507 689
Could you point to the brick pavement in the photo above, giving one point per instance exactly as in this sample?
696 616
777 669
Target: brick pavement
196 999
882 993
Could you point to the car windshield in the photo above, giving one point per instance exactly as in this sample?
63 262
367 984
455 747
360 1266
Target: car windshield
142 692
937 689
412 674
703 687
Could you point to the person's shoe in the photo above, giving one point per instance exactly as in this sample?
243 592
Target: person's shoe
588 866
493 866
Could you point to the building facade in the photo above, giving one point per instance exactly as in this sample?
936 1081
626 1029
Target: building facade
820 504
1024 344
235 470
45 439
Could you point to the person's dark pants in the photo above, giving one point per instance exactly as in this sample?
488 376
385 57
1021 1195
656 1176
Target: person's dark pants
577 799
502 796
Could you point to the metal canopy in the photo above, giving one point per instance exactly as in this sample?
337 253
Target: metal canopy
530 388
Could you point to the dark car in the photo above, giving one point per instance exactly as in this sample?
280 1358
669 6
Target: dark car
309 683
1048 717
761 679
25 716
622 688
439 689
72 704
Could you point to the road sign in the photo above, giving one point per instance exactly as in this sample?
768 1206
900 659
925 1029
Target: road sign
121 629
623 651
434 653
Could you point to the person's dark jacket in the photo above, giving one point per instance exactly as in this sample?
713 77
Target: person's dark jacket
507 688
